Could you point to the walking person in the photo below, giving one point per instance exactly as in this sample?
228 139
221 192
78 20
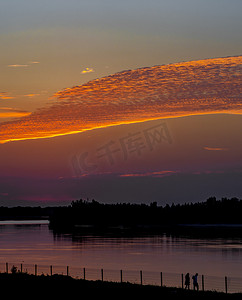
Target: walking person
195 283
187 281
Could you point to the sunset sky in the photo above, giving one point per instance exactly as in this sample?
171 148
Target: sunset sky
121 101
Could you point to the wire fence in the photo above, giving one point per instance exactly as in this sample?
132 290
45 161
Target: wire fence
205 282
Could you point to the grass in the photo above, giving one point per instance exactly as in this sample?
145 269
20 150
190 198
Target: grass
52 287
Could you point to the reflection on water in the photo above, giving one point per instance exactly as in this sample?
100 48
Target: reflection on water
35 243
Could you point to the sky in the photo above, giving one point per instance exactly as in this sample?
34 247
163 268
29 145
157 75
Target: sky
156 83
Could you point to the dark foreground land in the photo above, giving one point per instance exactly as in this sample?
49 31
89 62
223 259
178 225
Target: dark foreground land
27 286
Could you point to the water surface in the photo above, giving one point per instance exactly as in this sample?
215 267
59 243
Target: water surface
31 242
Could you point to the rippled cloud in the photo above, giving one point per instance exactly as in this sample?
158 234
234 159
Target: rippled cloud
174 90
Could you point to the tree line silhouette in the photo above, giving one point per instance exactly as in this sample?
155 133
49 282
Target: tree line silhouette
85 212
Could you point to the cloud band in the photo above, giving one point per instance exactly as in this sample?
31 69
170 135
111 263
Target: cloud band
181 89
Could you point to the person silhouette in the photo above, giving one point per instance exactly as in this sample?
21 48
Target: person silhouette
14 269
195 283
187 281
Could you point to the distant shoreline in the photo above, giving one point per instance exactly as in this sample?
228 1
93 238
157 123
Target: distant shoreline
45 221
24 222
222 225
91 216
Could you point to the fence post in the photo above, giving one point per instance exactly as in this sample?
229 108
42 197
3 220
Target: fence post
67 270
35 270
161 279
102 274
182 281
50 270
121 276
203 283
7 268
141 278
84 273
226 285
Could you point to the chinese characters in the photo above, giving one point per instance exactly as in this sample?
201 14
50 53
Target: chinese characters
134 143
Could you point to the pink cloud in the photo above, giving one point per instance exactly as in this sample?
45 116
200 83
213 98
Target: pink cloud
215 149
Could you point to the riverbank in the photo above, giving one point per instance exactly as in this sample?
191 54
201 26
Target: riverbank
30 286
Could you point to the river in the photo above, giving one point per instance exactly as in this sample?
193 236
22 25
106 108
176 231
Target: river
32 242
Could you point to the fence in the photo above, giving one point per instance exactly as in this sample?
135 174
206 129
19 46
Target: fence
206 282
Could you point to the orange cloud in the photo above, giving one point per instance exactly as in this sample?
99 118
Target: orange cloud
31 95
4 96
17 66
174 90
23 65
7 112
87 70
